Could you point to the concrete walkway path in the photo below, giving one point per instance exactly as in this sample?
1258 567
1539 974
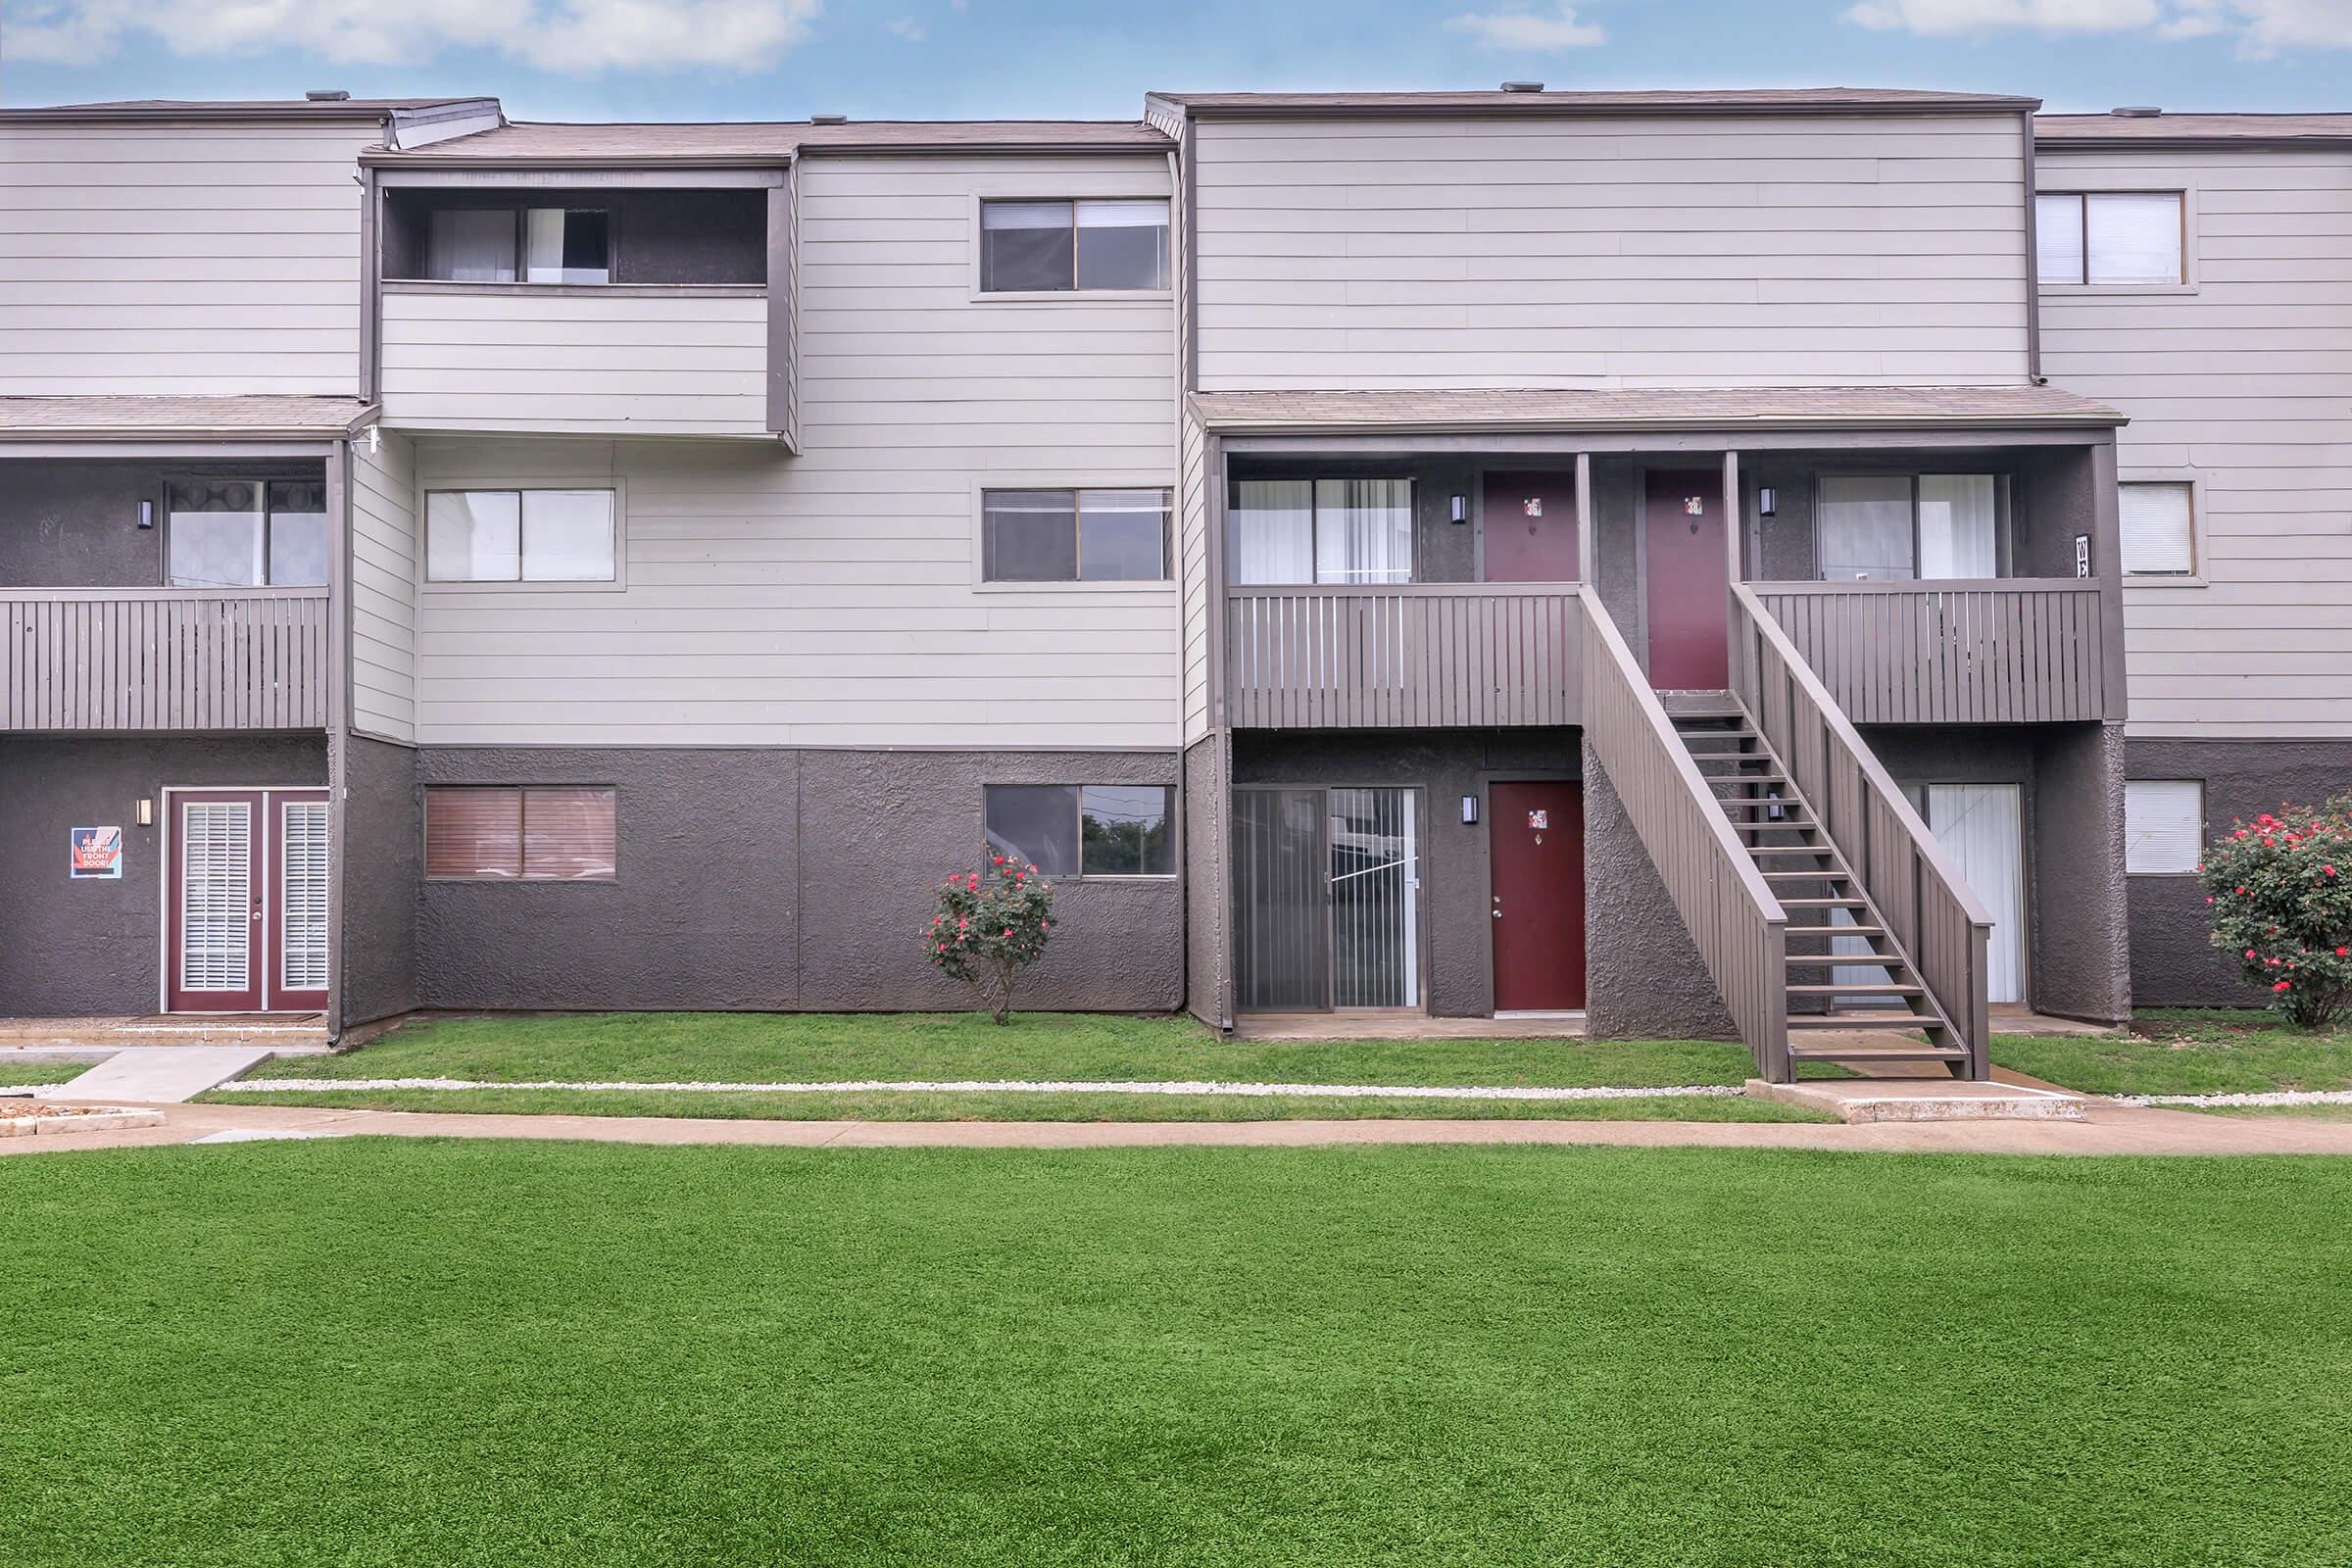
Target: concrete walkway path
154 1075
2108 1129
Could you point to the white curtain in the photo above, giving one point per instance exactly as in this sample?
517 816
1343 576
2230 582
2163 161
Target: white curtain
1865 527
1274 531
469 245
1364 530
1959 516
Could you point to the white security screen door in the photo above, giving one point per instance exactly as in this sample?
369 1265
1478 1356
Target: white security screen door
1981 827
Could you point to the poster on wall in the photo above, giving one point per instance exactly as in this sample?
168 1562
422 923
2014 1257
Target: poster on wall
97 852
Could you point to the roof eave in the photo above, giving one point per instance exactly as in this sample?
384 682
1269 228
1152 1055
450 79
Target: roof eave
1532 107
2190 144
219 434
1500 428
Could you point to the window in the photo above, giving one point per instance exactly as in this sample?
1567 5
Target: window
246 533
474 834
507 245
1074 536
1084 829
2158 522
1054 247
1322 531
518 536
1894 527
2113 237
2164 826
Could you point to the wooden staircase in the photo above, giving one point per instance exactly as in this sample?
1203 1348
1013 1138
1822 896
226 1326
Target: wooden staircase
1812 880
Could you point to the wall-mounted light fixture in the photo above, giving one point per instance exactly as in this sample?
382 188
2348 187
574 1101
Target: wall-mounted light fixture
1469 810
1458 510
142 811
146 514
1768 502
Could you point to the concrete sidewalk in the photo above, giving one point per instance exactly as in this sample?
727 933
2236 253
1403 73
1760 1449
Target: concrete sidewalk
2107 1129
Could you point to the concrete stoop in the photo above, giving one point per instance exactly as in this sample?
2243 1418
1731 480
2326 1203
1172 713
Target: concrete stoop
161 1074
1868 1100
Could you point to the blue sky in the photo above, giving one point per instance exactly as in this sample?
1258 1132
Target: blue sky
781 59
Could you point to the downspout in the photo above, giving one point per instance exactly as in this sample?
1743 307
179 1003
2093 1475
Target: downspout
2033 267
1184 791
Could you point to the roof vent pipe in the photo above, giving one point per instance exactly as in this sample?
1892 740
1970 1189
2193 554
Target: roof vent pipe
828 119
1522 87
2137 112
327 95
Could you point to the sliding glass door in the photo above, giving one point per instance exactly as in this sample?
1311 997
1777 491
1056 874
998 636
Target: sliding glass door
1342 531
1327 899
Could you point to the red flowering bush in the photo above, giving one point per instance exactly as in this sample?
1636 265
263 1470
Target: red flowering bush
986 933
2281 895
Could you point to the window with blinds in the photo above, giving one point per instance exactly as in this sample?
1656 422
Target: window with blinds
2158 523
2115 238
2164 826
478 834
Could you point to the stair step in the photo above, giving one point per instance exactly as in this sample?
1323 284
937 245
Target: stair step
1858 961
1832 931
1730 756
1823 903
1867 1020
1872 988
1792 849
1909 1054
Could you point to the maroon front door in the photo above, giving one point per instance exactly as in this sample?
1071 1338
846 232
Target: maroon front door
1688 582
1535 834
1528 521
246 902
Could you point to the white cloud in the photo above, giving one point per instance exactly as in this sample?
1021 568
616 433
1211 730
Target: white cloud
907 28
580 36
1556 29
2260 27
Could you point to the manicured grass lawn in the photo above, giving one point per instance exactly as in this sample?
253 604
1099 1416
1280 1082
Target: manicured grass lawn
387 1351
840 1048
978 1106
41 1072
2184 1051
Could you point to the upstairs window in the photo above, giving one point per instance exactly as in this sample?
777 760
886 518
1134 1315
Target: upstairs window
1074 536
1346 531
246 533
2111 237
1084 829
518 536
2158 522
1895 528
1051 247
526 245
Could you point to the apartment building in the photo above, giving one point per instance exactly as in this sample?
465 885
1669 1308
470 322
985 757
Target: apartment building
1658 556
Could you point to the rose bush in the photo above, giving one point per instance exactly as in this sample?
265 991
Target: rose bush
986 932
2280 892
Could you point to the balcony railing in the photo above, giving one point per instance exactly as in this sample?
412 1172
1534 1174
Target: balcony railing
163 658
2010 650
1419 656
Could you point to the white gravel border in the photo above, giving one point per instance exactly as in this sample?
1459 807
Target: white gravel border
2273 1097
265 1085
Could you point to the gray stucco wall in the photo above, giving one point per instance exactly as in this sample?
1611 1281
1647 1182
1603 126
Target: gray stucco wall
95 947
75 525
774 878
2071 788
1206 894
383 860
1645 977
1447 765
2173 964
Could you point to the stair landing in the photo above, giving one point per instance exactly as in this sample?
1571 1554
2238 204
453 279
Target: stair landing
1874 1100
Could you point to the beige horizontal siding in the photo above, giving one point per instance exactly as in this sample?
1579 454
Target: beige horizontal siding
2246 383
828 599
579 362
161 258
385 550
1604 253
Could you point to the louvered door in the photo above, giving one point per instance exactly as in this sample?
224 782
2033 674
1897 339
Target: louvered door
247 906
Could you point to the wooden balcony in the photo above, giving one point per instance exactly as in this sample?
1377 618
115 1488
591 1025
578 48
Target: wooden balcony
163 658
2009 651
1418 655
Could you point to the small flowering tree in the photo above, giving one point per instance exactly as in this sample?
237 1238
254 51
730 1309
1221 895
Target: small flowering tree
2281 888
986 933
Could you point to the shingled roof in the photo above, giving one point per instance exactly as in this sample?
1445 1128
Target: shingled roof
771 142
1654 409
2152 130
241 418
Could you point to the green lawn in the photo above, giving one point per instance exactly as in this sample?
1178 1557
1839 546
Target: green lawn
386 1351
980 1105
41 1072
2185 1052
845 1048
